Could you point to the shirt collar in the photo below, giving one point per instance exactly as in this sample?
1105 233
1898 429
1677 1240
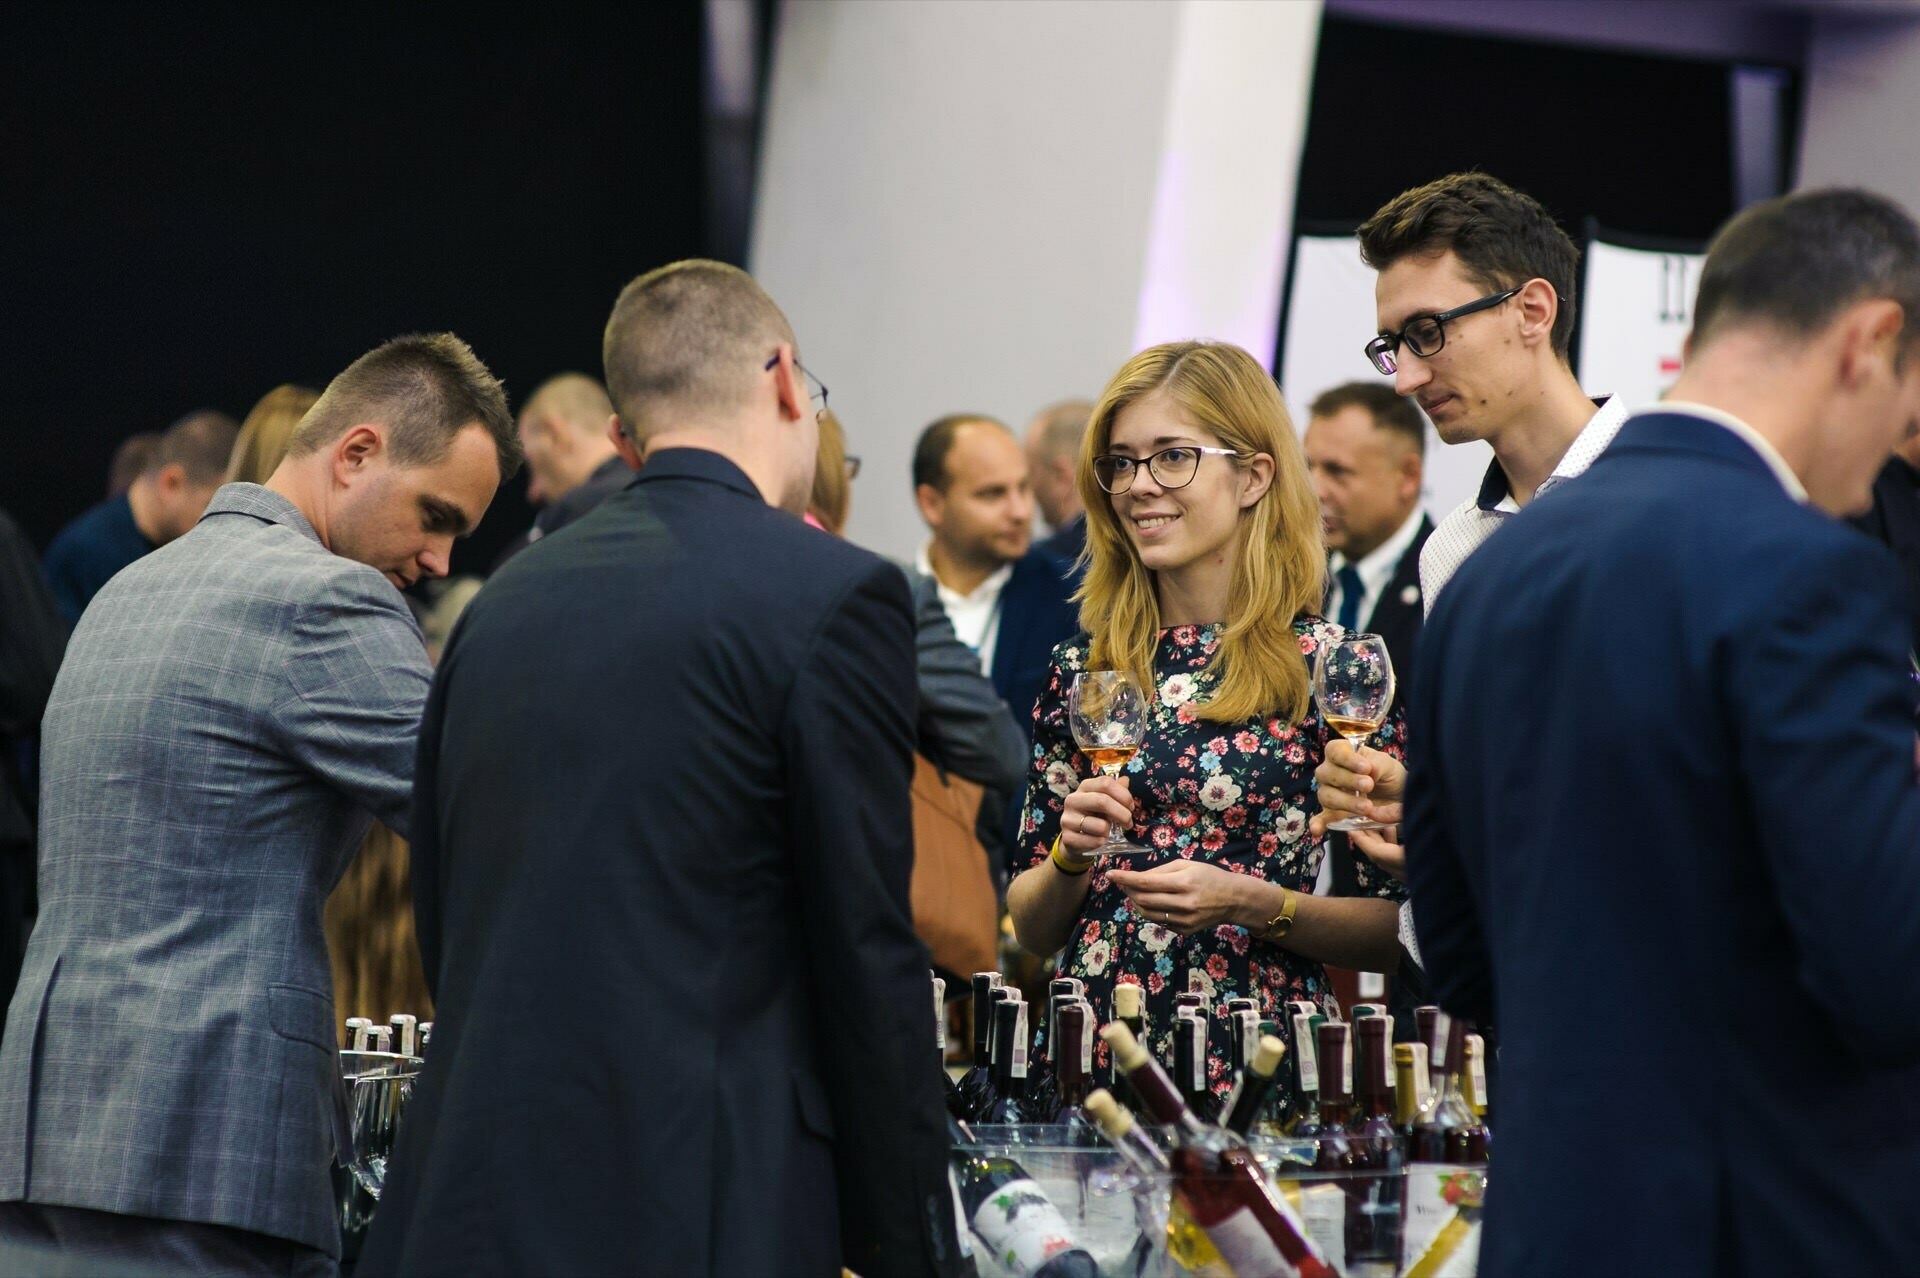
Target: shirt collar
1608 414
1380 562
985 590
1748 435
262 503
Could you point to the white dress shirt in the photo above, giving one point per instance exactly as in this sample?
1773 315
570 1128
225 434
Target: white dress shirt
1376 570
1479 517
975 616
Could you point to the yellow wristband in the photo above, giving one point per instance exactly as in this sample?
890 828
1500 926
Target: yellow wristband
1066 865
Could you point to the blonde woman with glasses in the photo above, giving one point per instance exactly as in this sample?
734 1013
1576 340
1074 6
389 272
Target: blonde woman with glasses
1204 571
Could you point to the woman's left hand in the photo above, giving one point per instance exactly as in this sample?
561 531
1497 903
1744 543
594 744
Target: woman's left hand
1185 896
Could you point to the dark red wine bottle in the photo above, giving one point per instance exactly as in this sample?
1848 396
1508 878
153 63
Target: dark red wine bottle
1009 1064
1373 1205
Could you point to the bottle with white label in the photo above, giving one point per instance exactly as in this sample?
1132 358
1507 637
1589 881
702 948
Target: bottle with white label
975 1084
357 1027
1010 1215
1190 1062
1476 1079
405 1029
1304 1123
1072 1058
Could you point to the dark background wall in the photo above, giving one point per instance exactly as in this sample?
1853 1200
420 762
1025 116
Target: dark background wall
198 202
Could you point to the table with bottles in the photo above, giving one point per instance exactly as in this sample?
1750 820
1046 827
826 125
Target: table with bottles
1062 1168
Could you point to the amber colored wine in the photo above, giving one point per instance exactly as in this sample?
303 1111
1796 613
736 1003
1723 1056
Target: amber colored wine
1110 759
1351 728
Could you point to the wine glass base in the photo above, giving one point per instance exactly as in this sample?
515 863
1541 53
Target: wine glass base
1358 823
1127 850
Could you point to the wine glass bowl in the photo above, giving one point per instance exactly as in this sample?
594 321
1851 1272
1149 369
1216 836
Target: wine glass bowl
1108 714
1353 686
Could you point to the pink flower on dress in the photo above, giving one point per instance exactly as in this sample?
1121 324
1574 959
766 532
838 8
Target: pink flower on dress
1217 746
1306 645
1163 836
1217 967
1269 844
1156 983
1183 816
1246 742
1295 753
1235 817
1187 713
1213 840
1186 636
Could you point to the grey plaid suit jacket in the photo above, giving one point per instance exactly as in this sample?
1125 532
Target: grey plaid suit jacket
233 711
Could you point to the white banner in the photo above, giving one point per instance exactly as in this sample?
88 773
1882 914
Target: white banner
1330 319
1635 311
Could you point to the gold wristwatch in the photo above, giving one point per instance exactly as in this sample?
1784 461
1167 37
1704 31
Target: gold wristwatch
1282 923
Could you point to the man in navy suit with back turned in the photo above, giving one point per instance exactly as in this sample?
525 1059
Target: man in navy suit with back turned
682 1017
1662 811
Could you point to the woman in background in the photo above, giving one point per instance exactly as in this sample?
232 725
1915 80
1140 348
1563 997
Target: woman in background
262 442
1205 571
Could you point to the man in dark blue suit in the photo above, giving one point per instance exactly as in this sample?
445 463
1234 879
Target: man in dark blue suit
1662 812
662 879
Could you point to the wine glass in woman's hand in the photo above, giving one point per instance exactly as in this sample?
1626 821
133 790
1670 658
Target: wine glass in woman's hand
1353 685
1108 714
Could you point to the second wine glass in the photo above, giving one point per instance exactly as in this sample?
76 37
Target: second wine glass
1109 717
1353 684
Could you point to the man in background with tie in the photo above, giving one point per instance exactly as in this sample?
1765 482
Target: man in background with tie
1366 448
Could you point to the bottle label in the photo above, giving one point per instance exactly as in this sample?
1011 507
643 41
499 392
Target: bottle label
1196 1031
1476 1072
1021 1227
1441 1236
1086 1046
1019 1054
1304 1052
940 1015
1244 1245
1323 1219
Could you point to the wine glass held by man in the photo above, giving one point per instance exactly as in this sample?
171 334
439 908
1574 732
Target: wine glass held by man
1204 569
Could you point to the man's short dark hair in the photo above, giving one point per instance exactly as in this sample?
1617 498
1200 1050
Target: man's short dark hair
425 388
1794 263
1390 411
1502 238
936 441
689 338
199 443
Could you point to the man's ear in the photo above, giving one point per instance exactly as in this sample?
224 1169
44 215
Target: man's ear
171 479
789 386
622 444
1412 471
356 448
932 503
1539 308
1870 338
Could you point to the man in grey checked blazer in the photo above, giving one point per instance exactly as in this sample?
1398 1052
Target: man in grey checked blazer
233 712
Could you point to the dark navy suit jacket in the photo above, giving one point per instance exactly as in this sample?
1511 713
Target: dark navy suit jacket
1663 818
1035 614
660 863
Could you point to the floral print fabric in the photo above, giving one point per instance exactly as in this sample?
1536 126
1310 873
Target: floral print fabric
1235 795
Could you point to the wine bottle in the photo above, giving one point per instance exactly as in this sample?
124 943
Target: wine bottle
1009 1053
1429 1023
1304 1122
1072 1059
1254 1086
981 1007
1218 1181
357 1027
1334 1152
1476 1079
426 1037
380 1038
1407 1067
404 1032
1129 1009
949 1090
1369 1009
1013 1217
1377 1149
1190 1062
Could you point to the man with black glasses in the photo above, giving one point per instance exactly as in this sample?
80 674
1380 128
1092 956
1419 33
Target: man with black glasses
1475 298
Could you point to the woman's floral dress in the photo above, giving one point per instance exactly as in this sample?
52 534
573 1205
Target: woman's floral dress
1236 795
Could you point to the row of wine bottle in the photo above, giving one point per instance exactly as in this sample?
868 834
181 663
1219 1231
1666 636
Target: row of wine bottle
1367 1106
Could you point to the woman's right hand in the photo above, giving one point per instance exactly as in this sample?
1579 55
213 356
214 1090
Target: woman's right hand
1091 811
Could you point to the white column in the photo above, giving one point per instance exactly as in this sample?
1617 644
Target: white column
964 206
1862 98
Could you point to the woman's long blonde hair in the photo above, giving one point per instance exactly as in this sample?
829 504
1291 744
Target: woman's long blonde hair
1279 564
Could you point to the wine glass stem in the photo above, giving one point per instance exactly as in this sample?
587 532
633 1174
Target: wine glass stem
1356 743
1115 838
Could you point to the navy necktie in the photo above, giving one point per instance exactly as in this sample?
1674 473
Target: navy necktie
1348 579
